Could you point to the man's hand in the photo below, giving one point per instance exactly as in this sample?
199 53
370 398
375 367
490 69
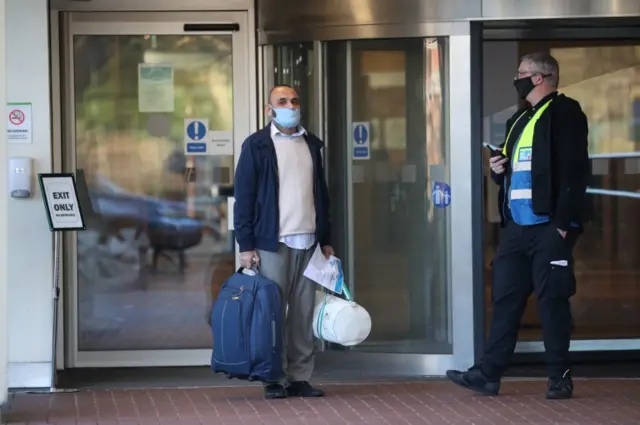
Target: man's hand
249 258
328 251
498 164
563 233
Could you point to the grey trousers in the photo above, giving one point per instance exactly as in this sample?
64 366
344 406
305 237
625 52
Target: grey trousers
286 268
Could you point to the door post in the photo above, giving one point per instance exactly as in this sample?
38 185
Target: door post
3 217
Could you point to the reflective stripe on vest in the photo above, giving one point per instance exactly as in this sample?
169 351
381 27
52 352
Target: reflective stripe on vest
520 191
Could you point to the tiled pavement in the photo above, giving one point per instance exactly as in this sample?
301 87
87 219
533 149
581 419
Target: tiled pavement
429 402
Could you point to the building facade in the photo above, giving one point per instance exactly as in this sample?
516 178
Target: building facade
403 93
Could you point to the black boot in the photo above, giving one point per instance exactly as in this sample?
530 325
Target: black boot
474 380
303 389
560 388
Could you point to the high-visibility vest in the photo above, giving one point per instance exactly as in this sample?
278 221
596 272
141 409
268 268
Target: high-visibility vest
520 190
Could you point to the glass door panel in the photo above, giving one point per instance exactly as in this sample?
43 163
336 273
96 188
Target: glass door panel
293 65
393 236
158 244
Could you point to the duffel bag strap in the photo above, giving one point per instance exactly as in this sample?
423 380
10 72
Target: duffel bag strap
345 288
345 292
319 326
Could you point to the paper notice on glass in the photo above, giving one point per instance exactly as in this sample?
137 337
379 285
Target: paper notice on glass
221 143
325 272
155 88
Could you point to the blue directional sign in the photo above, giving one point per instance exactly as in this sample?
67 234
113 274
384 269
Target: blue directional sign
196 130
196 136
441 195
361 140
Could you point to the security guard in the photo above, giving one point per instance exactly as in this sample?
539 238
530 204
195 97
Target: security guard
542 173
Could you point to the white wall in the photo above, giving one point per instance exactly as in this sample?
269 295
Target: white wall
31 255
3 220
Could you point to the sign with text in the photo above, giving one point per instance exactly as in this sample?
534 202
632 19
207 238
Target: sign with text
155 88
361 141
195 136
60 196
19 123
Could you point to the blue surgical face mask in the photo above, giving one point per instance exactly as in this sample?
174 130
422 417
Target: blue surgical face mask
286 118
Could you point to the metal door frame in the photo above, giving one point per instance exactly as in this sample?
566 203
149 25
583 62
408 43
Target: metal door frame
458 119
245 122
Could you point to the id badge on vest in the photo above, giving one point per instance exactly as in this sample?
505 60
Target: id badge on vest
524 155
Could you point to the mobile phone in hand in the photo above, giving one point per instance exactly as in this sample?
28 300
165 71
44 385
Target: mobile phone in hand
495 150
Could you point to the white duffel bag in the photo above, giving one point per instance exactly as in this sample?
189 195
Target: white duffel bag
340 321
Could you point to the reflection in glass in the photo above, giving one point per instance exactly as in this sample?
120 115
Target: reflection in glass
605 79
293 66
401 246
157 238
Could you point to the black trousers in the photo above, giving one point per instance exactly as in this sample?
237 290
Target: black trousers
531 259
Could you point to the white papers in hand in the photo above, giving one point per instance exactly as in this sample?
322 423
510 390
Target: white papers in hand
325 272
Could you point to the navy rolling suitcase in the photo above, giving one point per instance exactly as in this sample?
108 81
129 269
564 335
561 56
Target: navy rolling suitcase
246 321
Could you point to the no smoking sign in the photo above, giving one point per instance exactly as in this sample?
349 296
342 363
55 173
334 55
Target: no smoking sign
16 117
19 123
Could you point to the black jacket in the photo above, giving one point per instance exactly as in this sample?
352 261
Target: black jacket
560 161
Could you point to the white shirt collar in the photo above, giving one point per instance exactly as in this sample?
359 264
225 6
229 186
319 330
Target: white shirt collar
275 132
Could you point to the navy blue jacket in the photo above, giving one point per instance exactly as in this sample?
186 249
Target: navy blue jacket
255 214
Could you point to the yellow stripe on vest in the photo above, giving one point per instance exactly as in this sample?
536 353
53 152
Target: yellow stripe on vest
528 129
506 141
521 157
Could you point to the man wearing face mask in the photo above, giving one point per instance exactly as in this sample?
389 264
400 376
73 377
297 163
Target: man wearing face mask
542 173
281 214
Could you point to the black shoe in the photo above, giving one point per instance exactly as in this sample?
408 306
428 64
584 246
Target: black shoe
303 389
560 388
273 391
474 380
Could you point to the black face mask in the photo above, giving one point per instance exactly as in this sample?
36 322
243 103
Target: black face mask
524 86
